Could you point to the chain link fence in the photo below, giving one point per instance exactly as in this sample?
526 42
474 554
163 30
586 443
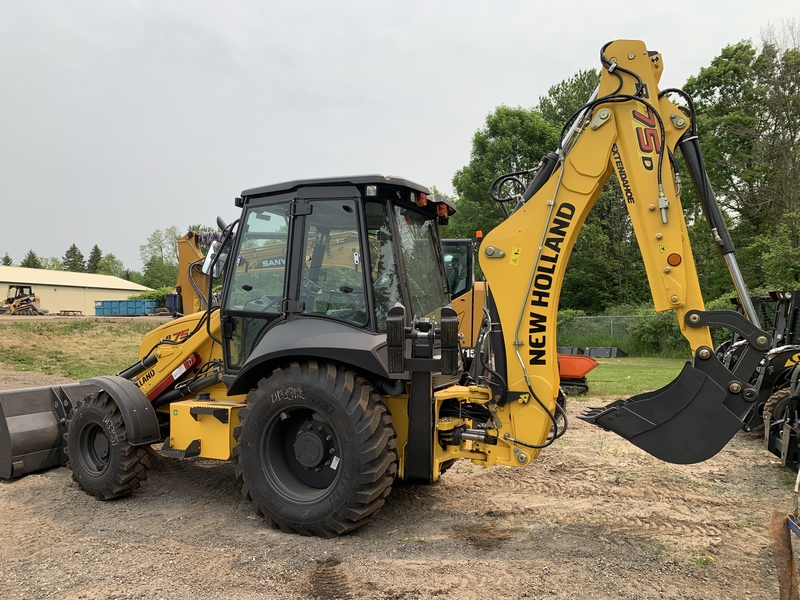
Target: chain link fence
607 328
642 335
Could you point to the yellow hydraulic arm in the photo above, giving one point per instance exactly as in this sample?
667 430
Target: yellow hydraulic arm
631 129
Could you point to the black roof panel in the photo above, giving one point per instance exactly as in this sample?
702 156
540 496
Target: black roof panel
353 180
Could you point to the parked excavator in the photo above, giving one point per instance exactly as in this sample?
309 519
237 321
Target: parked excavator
326 380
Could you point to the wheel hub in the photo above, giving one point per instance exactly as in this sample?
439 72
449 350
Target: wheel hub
101 447
313 445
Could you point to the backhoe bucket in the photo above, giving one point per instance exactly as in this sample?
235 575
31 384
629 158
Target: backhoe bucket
32 427
687 421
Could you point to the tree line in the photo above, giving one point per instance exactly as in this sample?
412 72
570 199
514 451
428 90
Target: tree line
159 257
747 103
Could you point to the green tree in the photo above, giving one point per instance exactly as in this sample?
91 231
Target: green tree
158 273
512 139
748 113
6 260
564 99
110 265
606 265
134 276
586 280
73 260
161 247
31 261
52 263
95 256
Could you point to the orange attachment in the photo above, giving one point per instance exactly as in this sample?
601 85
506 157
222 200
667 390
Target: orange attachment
575 366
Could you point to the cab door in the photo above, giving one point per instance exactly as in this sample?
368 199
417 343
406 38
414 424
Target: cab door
257 291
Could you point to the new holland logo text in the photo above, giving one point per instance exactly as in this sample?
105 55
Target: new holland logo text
543 282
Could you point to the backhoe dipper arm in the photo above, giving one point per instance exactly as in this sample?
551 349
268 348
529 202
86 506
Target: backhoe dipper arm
631 129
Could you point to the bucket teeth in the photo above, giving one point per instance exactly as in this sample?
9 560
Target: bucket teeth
685 422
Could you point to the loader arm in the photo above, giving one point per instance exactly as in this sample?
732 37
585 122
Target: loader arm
631 129
192 284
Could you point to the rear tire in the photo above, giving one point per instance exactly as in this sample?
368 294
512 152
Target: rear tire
103 463
317 450
776 404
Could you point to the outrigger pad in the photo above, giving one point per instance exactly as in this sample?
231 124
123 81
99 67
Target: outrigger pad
684 422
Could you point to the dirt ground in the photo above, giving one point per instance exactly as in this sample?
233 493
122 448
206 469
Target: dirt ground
592 517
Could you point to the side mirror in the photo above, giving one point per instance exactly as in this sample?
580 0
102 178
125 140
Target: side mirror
215 260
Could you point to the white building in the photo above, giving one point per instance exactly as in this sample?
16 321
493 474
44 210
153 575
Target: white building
65 290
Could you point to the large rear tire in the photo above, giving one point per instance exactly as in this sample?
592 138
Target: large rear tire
317 450
776 404
103 463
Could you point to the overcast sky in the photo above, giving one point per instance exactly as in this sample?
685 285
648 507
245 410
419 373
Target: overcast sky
121 117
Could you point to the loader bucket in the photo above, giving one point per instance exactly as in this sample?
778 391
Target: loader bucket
32 427
687 421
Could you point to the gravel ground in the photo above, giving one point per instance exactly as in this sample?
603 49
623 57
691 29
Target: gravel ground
592 517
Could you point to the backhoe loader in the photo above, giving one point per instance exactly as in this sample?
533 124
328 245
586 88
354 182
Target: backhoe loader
326 379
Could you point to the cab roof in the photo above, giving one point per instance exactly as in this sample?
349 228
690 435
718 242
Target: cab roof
331 181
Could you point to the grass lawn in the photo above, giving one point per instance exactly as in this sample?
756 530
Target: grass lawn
83 348
624 377
72 348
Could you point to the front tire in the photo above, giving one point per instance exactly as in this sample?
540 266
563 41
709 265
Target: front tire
316 448
103 463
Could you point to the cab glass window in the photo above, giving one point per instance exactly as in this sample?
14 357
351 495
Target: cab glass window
385 278
422 257
260 268
333 262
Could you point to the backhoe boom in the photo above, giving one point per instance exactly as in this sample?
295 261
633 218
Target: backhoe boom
631 129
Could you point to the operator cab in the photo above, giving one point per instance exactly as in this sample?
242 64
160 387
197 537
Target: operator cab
16 291
333 255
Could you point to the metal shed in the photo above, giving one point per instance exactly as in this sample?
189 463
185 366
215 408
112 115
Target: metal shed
68 291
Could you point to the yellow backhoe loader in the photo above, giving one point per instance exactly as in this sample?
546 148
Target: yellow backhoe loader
331 365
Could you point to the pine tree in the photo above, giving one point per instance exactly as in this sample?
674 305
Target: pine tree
6 260
73 260
31 261
95 256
